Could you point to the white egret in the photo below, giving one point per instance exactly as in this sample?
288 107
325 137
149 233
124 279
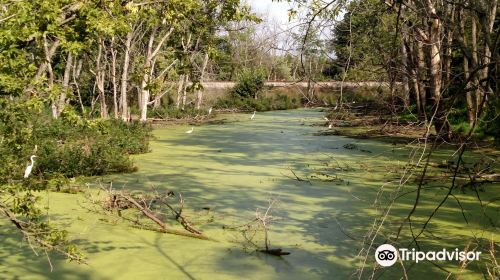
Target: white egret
326 119
210 111
336 107
330 126
191 130
253 116
27 172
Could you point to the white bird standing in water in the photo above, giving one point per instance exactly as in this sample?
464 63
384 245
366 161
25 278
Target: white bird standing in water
191 130
330 126
326 119
253 116
210 111
27 172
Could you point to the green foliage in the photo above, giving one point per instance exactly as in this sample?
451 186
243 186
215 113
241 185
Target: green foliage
275 102
170 112
409 115
365 39
366 94
489 125
69 146
250 83
458 114
90 153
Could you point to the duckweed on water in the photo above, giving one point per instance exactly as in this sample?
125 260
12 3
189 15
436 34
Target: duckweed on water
234 168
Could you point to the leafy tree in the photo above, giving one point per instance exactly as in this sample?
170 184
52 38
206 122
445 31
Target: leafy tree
250 83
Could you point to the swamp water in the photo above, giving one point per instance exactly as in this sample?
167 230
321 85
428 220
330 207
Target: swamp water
232 169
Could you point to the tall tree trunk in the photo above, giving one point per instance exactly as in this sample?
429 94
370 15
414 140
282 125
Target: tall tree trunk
447 46
179 91
184 91
406 76
413 73
144 91
421 72
113 78
435 71
488 23
50 78
310 83
199 92
77 69
100 80
475 61
124 78
151 53
65 84
471 114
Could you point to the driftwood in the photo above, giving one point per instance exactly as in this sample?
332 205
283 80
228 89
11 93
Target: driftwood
183 221
120 200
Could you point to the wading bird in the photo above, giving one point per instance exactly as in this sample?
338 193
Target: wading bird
330 126
27 172
326 119
253 116
210 111
191 130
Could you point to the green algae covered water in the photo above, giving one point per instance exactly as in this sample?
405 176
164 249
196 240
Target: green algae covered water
225 173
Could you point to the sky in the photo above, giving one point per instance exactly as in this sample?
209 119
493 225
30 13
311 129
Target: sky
277 11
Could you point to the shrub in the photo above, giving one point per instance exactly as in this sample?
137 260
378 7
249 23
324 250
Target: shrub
250 83
69 146
165 112
275 102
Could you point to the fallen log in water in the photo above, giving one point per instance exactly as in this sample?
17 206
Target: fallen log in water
120 200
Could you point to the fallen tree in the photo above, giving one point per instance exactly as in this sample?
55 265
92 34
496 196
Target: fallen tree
149 206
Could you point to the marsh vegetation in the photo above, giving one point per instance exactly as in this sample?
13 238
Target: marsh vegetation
118 161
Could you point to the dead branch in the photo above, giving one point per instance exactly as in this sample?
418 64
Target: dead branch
183 221
31 236
261 221
121 200
298 178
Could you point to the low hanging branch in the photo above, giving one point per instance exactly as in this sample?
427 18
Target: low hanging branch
33 234
121 200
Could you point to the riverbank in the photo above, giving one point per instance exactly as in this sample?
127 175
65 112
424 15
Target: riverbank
373 120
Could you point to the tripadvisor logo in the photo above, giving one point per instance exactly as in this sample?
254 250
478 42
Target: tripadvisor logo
387 255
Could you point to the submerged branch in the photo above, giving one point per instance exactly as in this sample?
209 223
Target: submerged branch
120 200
